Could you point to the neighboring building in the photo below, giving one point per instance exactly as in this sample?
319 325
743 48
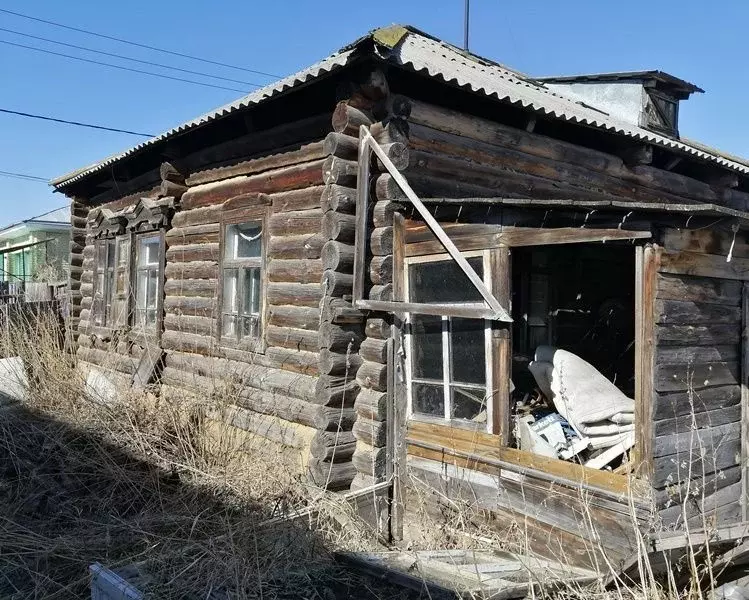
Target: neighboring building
36 249
255 267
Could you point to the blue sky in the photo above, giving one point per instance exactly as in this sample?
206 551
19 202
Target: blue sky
699 41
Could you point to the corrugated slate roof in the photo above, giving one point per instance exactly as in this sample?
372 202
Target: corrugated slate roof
414 50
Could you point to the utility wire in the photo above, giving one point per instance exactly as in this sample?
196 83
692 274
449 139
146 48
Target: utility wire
123 41
104 64
77 123
130 58
23 176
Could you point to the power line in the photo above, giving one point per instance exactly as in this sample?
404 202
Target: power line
130 58
77 123
104 64
23 176
123 41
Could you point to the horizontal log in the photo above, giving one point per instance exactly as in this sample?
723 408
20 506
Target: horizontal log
193 234
107 359
296 246
294 200
193 252
674 378
372 375
698 289
339 199
347 119
195 306
169 172
677 404
305 270
266 426
298 317
277 180
333 390
188 342
370 460
204 288
330 446
383 211
332 476
371 405
398 153
306 153
703 265
374 350
337 256
373 433
391 130
261 374
298 222
339 227
322 418
192 270
383 293
337 284
697 335
197 216
296 294
340 171
297 361
341 145
171 189
339 311
381 269
286 337
338 363
335 419
205 326
706 241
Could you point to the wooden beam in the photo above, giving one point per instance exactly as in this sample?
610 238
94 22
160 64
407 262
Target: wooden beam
478 237
704 265
362 216
466 311
501 345
744 400
724 179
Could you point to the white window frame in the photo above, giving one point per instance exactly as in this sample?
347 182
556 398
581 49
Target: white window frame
489 375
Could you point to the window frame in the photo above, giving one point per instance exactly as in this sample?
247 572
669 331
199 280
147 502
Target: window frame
151 333
237 217
489 352
101 317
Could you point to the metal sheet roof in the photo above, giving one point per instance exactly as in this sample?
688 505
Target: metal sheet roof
667 78
414 50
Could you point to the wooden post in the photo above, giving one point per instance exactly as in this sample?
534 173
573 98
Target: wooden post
744 399
362 216
646 269
501 345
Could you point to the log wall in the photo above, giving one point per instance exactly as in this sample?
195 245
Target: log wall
697 378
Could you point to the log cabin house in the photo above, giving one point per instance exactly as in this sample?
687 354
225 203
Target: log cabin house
364 257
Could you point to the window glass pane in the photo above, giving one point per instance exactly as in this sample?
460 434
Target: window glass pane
229 325
251 327
443 282
230 291
148 251
243 240
251 292
153 285
468 350
151 317
428 399
469 403
426 333
142 283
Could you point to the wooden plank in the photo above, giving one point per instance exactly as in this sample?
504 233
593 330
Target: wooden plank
684 377
678 312
676 404
744 501
699 289
362 216
697 335
690 355
645 340
704 265
706 241
709 418
479 448
468 311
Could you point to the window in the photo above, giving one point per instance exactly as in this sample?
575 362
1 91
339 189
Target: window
147 280
241 307
448 371
103 281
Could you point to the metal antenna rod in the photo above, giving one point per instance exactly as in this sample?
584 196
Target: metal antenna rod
465 26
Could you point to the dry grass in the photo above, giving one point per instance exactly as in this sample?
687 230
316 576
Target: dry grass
138 482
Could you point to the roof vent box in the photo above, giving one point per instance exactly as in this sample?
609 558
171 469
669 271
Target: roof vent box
644 98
